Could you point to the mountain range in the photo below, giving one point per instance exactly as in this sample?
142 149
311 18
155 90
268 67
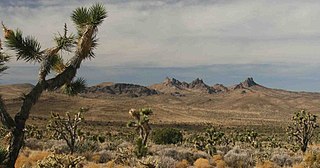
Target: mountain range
174 102
168 86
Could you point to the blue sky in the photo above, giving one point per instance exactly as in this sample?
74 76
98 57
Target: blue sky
142 41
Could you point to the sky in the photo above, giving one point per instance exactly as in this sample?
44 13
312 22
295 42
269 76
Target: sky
221 41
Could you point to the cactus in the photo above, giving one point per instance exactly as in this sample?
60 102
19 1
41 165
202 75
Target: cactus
302 128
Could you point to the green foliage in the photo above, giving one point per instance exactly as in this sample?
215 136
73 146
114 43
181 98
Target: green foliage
141 123
27 48
140 149
167 136
65 42
302 129
209 140
249 136
93 15
3 59
61 161
88 16
32 131
75 87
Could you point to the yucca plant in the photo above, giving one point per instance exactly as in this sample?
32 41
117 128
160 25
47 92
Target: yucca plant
302 129
141 123
27 48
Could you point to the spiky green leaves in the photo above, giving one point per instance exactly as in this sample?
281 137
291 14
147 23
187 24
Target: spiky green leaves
51 61
89 16
93 16
74 87
26 48
65 42
3 59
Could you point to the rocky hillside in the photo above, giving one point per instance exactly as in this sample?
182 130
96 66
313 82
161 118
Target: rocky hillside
130 90
172 85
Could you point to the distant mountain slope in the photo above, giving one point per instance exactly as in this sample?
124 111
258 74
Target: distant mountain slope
247 103
11 91
172 85
130 90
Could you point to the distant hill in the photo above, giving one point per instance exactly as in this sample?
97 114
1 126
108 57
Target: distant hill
131 90
174 101
170 85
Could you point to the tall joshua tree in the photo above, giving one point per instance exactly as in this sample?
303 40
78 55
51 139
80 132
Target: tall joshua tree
28 49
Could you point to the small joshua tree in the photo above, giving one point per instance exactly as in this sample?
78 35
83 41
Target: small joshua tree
67 128
28 49
302 128
141 123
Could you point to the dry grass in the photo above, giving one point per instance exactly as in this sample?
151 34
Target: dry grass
202 163
266 164
30 158
218 161
182 164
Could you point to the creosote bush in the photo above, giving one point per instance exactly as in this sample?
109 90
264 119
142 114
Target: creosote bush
167 136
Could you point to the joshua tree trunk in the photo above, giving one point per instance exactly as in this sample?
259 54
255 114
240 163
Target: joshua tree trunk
85 45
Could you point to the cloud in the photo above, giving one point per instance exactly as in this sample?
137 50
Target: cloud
184 33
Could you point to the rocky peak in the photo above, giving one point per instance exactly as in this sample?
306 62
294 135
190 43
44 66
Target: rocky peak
249 82
171 82
220 88
197 83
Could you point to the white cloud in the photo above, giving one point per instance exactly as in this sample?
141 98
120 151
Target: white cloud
186 33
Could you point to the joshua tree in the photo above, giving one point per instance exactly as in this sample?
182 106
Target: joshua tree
3 59
302 129
28 49
141 123
67 128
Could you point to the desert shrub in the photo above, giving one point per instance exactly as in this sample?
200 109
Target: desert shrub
182 164
266 164
218 161
29 158
239 158
179 153
33 143
167 136
87 146
311 159
60 161
202 163
105 156
282 159
158 162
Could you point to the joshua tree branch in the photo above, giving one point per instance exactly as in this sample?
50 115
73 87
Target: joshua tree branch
5 117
